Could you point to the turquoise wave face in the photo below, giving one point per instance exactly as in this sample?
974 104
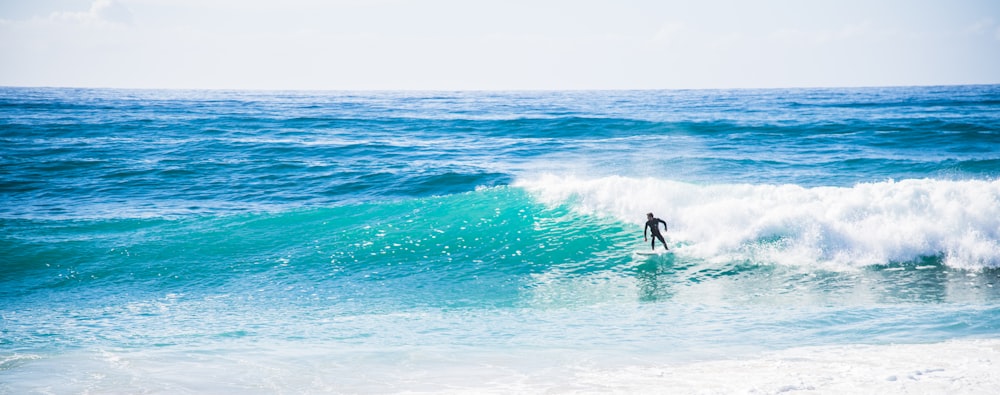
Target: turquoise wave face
475 248
494 247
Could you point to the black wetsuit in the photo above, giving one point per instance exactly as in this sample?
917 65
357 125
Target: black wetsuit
654 226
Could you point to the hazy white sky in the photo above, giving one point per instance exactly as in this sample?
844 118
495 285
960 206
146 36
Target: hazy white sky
503 44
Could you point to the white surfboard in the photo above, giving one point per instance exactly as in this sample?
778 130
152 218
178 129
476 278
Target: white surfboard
652 252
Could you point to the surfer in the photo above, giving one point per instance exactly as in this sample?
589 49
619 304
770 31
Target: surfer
653 224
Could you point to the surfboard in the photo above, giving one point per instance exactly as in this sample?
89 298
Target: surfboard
652 252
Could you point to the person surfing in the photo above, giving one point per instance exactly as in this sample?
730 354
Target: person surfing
653 225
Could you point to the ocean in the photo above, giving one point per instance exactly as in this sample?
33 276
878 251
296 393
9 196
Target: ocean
824 240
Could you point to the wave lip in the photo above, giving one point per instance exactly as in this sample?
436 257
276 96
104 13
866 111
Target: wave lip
879 223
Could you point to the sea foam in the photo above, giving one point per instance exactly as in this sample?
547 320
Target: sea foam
906 221
962 366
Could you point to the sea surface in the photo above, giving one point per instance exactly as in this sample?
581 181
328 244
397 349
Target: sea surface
168 241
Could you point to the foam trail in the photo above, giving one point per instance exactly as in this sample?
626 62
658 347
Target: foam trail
838 227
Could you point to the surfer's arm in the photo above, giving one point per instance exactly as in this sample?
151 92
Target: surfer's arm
664 225
645 228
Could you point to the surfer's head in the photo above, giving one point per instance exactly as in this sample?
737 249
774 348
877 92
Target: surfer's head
649 215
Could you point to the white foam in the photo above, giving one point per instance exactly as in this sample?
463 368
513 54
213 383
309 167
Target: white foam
965 367
845 227
958 366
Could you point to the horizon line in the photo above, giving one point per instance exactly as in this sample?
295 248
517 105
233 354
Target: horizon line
860 86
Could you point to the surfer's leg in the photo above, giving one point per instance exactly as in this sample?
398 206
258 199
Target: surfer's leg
661 241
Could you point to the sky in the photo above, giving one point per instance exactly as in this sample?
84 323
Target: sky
497 45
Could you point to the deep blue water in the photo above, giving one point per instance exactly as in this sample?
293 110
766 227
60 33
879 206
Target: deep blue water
198 226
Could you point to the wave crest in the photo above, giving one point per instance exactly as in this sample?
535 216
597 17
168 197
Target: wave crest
843 227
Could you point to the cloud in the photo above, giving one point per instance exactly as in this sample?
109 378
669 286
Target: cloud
101 12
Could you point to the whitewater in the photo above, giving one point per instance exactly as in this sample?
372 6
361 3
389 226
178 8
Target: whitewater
822 240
